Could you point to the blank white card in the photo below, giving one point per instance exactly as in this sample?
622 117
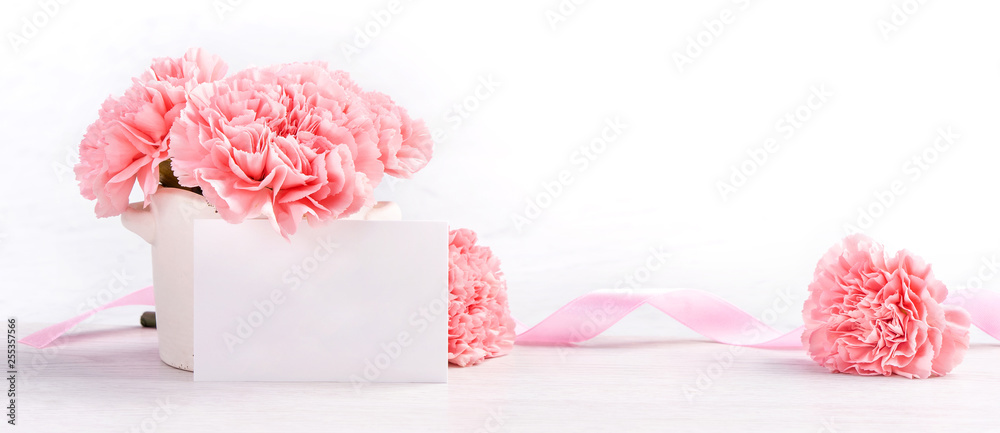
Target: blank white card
351 301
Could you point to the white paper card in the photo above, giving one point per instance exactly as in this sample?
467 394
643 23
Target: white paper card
351 301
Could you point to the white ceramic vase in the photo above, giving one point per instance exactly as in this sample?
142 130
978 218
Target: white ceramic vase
167 224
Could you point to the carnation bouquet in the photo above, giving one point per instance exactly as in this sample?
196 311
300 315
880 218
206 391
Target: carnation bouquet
288 142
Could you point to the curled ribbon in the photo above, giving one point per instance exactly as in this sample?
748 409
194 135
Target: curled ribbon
47 335
591 314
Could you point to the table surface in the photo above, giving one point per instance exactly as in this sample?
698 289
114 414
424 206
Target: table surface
109 378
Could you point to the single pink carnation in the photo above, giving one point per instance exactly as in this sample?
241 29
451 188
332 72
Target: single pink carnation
286 141
196 67
129 139
405 144
480 325
871 314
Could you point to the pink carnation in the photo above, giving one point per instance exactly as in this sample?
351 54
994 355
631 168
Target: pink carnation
404 143
871 314
287 141
129 139
196 67
480 325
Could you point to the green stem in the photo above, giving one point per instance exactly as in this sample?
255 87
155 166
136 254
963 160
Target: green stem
168 180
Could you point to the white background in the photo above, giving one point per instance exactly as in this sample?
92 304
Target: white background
562 74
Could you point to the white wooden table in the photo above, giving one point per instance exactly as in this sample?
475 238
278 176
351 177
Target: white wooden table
109 379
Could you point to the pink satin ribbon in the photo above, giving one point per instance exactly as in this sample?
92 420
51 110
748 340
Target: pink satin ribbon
983 306
589 315
46 336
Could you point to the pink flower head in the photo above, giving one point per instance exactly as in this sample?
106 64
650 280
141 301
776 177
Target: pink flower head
129 139
404 143
196 67
287 142
871 314
480 325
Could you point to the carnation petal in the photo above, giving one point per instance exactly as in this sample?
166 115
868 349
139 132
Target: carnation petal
869 313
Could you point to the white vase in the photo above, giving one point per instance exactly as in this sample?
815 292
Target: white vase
167 224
